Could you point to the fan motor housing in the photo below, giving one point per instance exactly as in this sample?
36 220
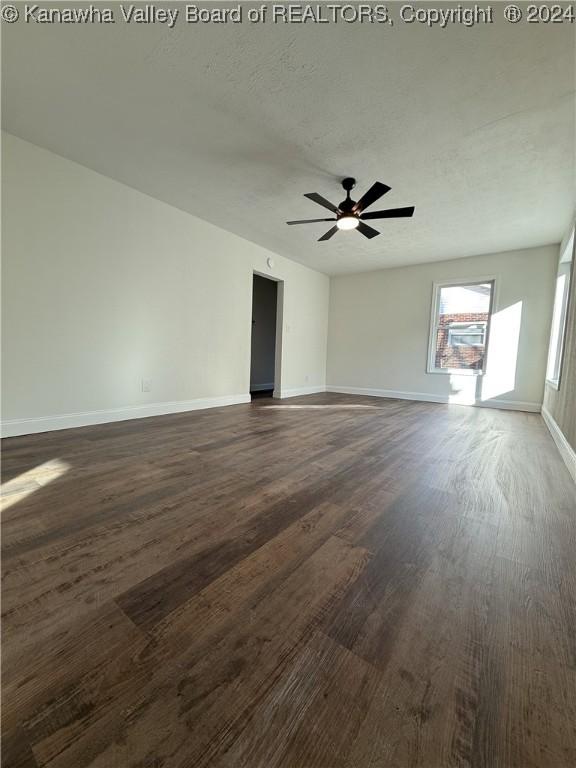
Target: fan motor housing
346 205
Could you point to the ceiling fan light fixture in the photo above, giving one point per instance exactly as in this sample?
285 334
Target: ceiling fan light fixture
347 222
351 214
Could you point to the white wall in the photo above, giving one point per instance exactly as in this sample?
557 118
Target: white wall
104 287
379 329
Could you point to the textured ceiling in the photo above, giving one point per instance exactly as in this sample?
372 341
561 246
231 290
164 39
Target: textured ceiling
474 126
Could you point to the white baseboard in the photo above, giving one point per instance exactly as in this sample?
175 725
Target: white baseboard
566 450
512 405
283 393
14 427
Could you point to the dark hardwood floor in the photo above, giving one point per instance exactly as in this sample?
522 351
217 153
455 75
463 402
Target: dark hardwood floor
323 582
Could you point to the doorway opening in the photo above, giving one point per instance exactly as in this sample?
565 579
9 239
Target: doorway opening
265 348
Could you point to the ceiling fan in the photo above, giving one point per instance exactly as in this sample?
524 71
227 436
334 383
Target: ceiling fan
350 214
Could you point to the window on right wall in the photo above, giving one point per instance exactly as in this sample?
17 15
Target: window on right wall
559 316
460 327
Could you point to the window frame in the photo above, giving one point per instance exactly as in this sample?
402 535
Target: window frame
434 317
566 257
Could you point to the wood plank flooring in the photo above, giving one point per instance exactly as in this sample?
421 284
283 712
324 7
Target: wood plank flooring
323 582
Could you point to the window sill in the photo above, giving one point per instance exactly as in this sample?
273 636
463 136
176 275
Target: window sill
456 371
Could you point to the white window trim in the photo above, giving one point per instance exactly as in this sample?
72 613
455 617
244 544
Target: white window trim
435 306
567 256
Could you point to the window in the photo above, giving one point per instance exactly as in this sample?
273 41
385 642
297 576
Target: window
555 350
466 334
459 327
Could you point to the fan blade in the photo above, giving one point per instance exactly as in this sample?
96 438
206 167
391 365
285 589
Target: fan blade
367 231
315 197
389 213
374 193
308 221
328 234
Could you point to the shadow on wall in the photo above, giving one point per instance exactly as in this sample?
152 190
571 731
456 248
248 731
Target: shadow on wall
501 361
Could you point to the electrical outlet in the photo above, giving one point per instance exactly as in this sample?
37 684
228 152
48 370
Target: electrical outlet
306 378
146 385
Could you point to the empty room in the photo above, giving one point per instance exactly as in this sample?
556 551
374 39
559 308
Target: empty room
288 400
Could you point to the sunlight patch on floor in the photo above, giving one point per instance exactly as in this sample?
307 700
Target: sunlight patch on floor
325 407
22 486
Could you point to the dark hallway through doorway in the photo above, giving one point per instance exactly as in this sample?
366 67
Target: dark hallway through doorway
263 350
